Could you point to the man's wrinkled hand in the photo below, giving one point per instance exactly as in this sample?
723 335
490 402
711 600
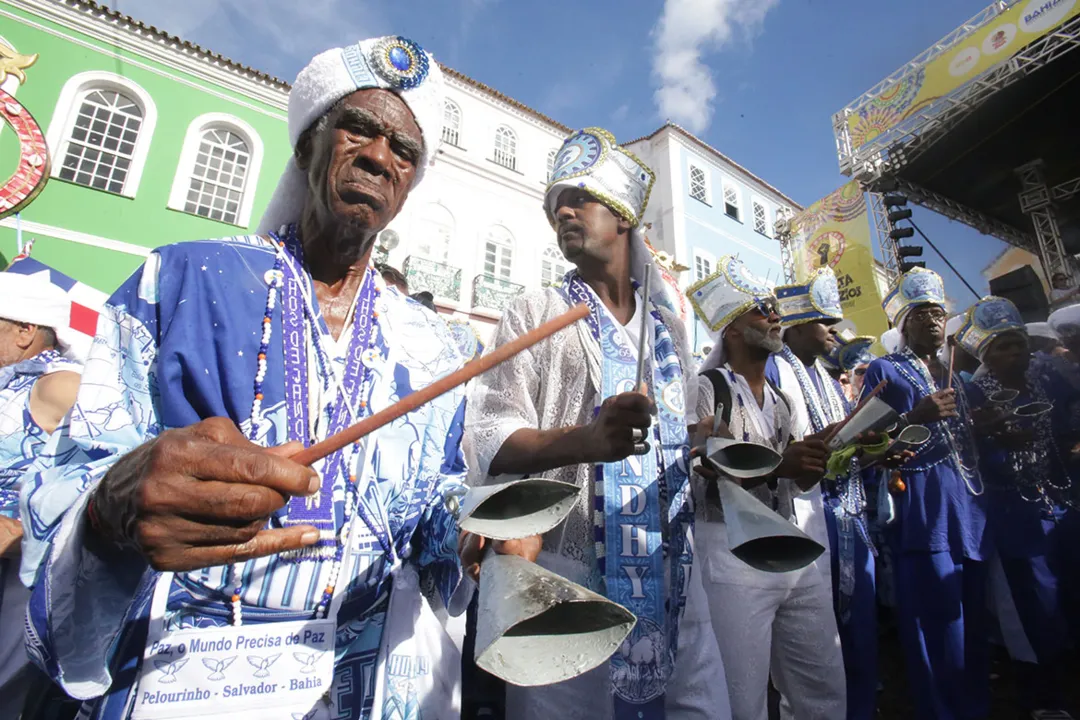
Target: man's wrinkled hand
201 496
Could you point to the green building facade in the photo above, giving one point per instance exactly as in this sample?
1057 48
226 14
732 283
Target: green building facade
151 140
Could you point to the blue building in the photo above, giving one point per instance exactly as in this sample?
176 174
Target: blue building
705 205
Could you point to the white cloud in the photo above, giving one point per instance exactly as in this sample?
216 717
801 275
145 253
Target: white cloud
687 29
275 36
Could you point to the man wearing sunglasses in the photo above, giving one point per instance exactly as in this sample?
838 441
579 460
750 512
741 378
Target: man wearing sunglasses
937 537
764 621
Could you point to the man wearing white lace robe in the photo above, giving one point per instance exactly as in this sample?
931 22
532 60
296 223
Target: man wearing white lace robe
551 411
763 621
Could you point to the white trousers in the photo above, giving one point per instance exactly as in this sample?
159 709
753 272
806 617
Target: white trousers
696 690
778 621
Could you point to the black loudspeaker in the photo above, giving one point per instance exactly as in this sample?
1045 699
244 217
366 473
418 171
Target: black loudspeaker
1024 288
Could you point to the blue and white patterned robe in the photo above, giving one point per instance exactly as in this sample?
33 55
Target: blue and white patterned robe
21 438
178 343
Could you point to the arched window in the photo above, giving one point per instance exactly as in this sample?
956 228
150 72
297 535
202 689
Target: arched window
101 131
218 169
552 266
451 131
506 147
498 252
551 163
436 233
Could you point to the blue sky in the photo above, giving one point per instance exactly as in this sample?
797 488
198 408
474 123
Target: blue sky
757 79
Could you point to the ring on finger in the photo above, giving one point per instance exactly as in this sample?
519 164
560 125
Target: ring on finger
637 435
641 448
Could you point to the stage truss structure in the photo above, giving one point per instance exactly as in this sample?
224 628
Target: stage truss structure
888 153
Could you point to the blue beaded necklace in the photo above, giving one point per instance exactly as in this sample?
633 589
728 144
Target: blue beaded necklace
365 320
925 386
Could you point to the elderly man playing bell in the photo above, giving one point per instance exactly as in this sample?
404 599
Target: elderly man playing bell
188 567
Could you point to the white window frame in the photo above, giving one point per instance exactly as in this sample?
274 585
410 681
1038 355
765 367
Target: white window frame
509 245
756 202
550 167
425 223
691 167
552 254
707 257
190 151
732 185
456 129
67 107
500 131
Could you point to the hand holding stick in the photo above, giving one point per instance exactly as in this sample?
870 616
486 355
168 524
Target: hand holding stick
643 340
949 370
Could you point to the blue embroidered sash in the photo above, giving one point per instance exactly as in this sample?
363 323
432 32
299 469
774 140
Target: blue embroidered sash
845 498
630 496
319 510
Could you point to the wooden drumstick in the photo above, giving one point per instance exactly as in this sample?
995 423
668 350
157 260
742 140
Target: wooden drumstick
368 425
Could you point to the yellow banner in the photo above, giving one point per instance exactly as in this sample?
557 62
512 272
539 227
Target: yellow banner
835 231
985 47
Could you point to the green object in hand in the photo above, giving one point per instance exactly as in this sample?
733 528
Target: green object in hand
840 461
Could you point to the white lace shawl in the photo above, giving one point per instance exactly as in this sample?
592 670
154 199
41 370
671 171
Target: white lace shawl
552 385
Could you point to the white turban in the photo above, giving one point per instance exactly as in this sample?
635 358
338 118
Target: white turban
393 63
33 299
1066 321
1041 329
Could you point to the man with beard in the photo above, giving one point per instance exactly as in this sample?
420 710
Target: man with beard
569 409
182 553
937 537
838 520
1029 500
783 621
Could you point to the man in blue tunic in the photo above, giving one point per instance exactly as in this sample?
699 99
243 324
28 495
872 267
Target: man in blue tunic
833 513
37 388
1031 503
187 566
937 538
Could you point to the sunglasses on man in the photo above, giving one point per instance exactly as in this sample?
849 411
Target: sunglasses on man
766 305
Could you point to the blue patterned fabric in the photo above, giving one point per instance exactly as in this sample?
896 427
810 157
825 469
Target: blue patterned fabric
1025 504
938 512
177 343
21 438
633 522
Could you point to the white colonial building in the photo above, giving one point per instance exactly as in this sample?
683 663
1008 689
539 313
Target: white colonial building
474 233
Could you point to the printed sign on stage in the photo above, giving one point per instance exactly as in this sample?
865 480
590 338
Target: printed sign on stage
984 47
835 232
